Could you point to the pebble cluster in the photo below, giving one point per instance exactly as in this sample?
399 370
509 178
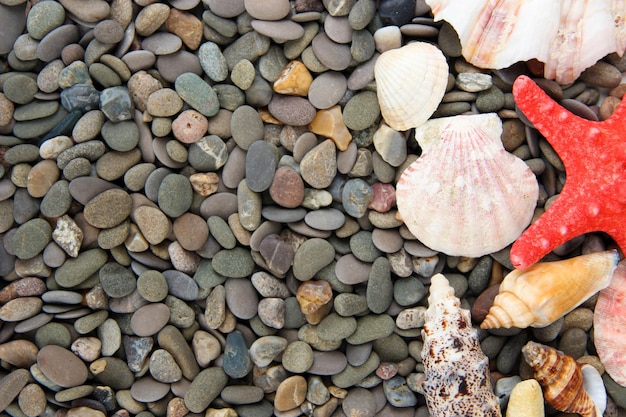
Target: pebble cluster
197 210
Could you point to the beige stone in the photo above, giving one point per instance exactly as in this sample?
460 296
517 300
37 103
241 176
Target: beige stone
295 79
526 400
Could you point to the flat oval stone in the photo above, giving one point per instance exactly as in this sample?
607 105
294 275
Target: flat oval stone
327 89
260 166
150 319
181 285
12 20
108 209
121 136
31 238
291 110
11 385
62 366
325 219
241 297
51 46
333 55
162 43
328 363
284 29
175 195
147 390
246 126
116 280
204 388
311 257
20 309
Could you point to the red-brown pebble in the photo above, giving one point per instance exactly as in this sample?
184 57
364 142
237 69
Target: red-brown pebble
287 189
190 126
20 353
61 366
313 294
483 303
384 197
186 26
191 231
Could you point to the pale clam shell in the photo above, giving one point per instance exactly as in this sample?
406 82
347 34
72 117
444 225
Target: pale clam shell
466 195
567 36
609 322
410 83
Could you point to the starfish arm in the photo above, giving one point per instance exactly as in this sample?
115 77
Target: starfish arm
551 119
563 221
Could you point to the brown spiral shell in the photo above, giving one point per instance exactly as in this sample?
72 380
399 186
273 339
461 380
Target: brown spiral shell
561 378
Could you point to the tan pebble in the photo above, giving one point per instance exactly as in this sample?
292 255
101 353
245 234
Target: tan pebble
135 242
295 79
183 260
313 294
97 299
191 231
176 408
20 353
84 412
68 235
267 117
229 323
618 91
608 106
32 400
206 347
87 348
6 110
290 393
150 18
50 149
41 177
164 103
190 126
153 224
526 400
241 234
62 366
329 123
186 26
221 412
108 209
337 392
204 184
22 288
20 309
140 86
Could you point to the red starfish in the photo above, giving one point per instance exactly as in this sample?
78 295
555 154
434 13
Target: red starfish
594 195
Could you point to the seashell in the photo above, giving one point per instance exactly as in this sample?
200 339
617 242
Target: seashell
609 322
410 83
541 294
526 400
563 380
466 195
567 36
456 371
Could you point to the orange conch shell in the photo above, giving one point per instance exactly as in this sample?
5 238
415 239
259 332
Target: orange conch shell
562 380
541 294
567 36
609 324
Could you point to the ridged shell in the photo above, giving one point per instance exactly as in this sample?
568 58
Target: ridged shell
567 36
466 195
609 322
456 371
410 83
562 380
541 294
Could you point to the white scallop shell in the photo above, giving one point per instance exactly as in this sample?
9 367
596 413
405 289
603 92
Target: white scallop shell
466 195
567 36
410 83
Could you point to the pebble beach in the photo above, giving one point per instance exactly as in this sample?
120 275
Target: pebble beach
197 210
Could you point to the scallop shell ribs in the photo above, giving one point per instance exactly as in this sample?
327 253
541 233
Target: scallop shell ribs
567 36
466 195
541 294
561 378
456 371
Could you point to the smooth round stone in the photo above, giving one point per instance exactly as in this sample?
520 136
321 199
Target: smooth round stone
266 348
328 363
237 362
181 285
260 165
243 74
52 44
287 190
32 400
221 232
163 367
62 366
116 280
359 401
205 388
191 231
356 196
291 110
75 271
173 65
164 103
13 21
31 238
139 60
109 31
242 394
290 393
313 255
387 240
153 223
490 100
267 10
11 385
197 93
149 319
175 195
35 110
122 136
189 127
150 18
372 327
112 372
152 286
362 246
241 298
88 126
325 219
148 390
335 56
335 327
90 322
51 148
361 111
361 14
398 393
208 154
284 29
327 89
233 263
104 75
108 209
20 309
297 357
268 286
246 126
20 88
212 61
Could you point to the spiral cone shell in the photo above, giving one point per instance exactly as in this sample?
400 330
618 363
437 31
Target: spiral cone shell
561 378
456 371
466 195
410 83
541 294
567 36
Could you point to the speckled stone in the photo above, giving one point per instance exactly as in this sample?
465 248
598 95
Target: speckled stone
205 388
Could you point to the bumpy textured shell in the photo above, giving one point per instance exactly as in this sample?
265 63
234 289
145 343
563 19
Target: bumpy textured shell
609 324
562 380
410 83
567 36
457 380
466 195
541 294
